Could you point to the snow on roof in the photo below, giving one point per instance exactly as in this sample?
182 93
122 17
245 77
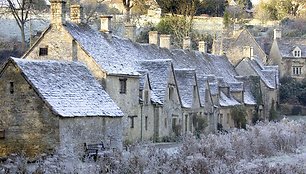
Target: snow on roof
116 55
249 98
202 86
236 86
287 45
159 73
100 49
214 89
185 79
142 79
227 101
69 88
268 75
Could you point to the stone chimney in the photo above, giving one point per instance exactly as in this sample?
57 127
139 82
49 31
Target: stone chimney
76 13
165 41
57 17
106 22
153 38
186 43
277 33
130 32
203 46
248 51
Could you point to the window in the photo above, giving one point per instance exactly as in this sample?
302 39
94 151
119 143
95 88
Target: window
146 97
171 90
186 123
12 87
2 133
146 122
297 53
132 121
165 122
122 86
296 70
43 51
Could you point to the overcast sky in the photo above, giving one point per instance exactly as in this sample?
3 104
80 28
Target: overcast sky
255 1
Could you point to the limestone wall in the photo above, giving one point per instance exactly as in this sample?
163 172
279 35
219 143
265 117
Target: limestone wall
128 103
74 132
29 125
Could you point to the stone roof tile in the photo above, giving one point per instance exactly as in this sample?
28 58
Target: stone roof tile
69 88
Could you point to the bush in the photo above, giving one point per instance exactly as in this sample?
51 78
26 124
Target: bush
239 114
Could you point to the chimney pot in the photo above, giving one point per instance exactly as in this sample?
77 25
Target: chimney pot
130 32
277 33
203 46
186 43
106 24
248 52
57 12
76 13
153 38
165 41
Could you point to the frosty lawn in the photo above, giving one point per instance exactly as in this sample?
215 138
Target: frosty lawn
264 148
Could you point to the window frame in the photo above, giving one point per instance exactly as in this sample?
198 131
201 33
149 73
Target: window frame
122 85
296 70
132 122
43 51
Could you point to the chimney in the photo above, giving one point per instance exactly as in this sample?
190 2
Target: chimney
248 51
165 41
106 22
277 33
130 32
57 12
153 38
203 46
186 43
76 13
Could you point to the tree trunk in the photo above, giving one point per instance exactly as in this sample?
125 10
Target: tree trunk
23 41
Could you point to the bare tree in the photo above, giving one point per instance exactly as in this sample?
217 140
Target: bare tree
21 10
128 5
91 9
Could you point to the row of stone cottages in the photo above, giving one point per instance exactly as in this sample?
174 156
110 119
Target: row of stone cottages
53 101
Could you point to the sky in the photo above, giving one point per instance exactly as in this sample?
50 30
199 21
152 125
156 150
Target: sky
255 2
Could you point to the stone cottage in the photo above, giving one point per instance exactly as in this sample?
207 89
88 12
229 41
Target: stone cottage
238 46
52 105
267 83
289 54
131 74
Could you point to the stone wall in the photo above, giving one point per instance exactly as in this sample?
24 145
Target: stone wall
74 132
128 103
29 125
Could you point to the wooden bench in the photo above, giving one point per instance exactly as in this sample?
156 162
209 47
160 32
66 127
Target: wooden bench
94 150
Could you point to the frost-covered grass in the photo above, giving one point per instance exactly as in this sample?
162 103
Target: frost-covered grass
264 148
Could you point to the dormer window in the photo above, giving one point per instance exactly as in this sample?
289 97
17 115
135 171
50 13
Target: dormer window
297 52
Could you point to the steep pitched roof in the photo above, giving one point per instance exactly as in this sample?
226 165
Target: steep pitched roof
287 45
203 88
68 88
268 74
100 49
186 82
159 74
227 100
